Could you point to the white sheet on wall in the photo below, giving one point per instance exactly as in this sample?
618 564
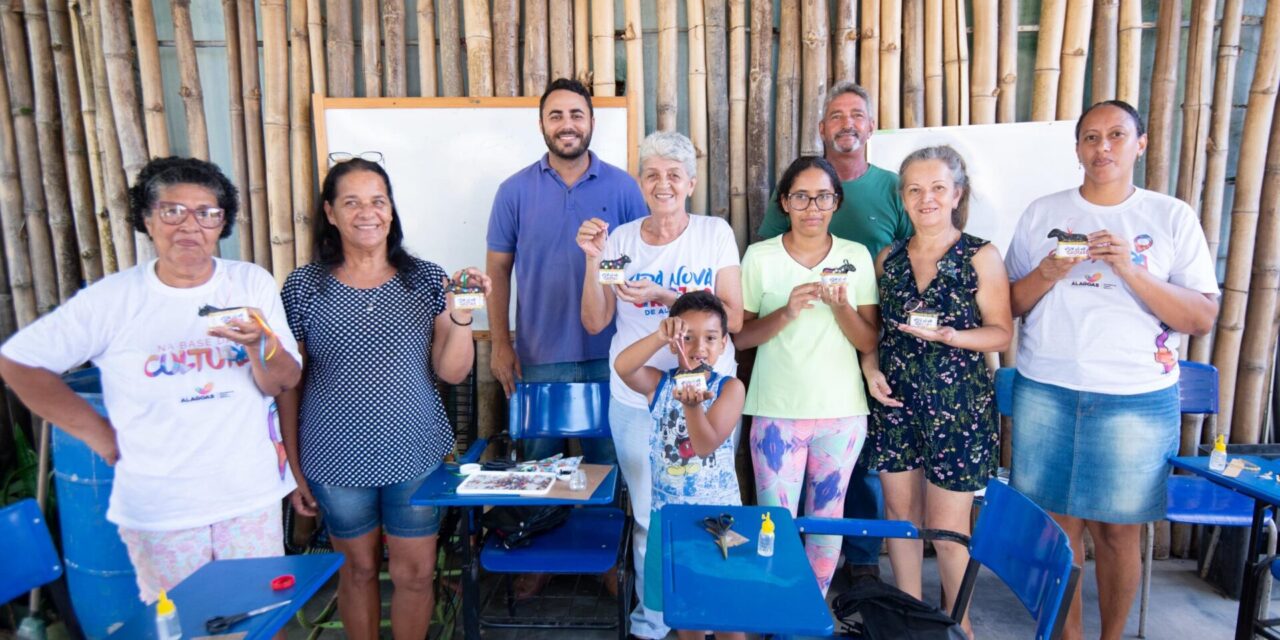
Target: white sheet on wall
446 164
1009 166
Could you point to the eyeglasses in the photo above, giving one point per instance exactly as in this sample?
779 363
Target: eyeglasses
800 201
174 213
338 157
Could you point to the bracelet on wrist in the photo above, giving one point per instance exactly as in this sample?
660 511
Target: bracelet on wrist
461 324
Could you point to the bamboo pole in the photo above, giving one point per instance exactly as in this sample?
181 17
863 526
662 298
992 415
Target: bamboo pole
190 88
76 158
560 30
1196 100
738 120
951 62
116 48
787 103
1164 85
846 39
717 109
144 30
535 47
962 31
1244 219
315 45
759 120
22 110
450 49
1129 65
698 100
1048 58
479 40
985 35
813 67
53 167
1007 63
395 79
666 102
252 97
633 39
933 76
340 48
913 65
115 185
1105 19
506 69
602 83
300 154
235 108
89 121
582 41
370 48
275 134
869 68
427 82
890 63
1075 51
1256 351
17 252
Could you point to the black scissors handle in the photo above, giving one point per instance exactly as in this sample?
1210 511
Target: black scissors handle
218 624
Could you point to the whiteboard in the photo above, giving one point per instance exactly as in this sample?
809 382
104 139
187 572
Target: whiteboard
446 158
1009 166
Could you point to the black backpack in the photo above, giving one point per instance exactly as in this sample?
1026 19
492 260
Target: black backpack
874 610
514 526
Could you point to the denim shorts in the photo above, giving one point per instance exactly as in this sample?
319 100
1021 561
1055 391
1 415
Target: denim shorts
350 512
1094 456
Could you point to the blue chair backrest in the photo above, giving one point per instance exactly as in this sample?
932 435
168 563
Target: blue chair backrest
559 410
1022 545
1197 388
29 559
1004 390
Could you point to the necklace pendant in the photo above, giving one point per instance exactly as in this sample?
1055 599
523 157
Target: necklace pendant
369 307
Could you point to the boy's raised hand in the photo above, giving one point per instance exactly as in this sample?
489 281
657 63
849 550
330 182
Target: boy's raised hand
672 330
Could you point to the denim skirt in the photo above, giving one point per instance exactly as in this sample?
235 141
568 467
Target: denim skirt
1094 456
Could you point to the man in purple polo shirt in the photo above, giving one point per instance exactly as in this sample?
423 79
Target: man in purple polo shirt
535 219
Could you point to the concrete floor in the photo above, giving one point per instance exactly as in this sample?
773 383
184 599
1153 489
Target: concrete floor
1182 605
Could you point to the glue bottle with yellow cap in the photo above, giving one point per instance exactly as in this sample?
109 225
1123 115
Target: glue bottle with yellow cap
167 625
764 546
1218 458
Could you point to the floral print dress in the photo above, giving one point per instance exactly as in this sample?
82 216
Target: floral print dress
947 423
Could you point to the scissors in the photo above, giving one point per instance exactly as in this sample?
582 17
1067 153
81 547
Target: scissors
219 624
719 527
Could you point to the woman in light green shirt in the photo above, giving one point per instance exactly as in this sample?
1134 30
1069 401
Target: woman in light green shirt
806 389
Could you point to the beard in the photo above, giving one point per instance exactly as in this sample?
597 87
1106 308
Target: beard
573 153
853 146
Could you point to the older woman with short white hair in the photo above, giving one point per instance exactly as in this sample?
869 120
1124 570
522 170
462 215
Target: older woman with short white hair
670 252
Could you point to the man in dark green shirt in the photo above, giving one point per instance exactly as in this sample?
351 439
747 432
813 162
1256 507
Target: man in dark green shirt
871 213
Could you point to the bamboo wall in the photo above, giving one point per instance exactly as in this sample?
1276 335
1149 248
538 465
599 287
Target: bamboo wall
95 87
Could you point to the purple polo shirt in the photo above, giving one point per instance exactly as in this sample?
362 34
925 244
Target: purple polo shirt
536 217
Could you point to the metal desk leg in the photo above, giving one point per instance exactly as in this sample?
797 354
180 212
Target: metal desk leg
1248 593
470 580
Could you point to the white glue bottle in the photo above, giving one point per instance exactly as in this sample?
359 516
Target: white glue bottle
764 546
167 625
1218 458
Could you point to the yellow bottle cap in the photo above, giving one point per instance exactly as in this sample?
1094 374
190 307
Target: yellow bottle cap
1220 443
165 607
767 525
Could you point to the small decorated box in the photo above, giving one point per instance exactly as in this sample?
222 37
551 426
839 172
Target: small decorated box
612 271
465 297
832 276
695 378
923 319
1070 245
223 317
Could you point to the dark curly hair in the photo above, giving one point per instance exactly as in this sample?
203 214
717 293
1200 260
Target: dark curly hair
173 171
328 241
701 300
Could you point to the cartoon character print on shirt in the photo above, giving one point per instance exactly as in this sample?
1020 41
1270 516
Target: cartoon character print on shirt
1141 243
273 430
677 448
1165 355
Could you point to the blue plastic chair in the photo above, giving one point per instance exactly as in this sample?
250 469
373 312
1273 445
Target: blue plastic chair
29 559
591 541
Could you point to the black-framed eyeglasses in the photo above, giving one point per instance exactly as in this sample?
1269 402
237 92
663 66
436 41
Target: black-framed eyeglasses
826 201
174 213
338 157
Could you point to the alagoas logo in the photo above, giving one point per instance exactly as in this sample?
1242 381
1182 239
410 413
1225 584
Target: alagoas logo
205 392
1093 280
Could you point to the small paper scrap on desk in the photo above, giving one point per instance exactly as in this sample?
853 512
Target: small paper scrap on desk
239 635
733 538
1234 468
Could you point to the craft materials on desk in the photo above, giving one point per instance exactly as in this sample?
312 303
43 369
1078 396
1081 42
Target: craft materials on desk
515 483
721 528
1218 458
168 627
218 624
764 546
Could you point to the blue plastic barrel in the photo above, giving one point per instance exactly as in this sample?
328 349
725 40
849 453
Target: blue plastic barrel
104 589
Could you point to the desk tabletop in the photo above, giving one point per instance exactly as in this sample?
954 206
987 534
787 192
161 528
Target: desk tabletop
440 489
1250 483
226 587
746 592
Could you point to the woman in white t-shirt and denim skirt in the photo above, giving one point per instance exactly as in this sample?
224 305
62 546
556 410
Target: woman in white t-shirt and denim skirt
1095 402
669 252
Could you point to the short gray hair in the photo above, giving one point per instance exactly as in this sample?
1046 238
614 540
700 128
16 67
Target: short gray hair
848 86
669 145
959 175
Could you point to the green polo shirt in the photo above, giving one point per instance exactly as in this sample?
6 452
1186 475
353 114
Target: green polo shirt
871 213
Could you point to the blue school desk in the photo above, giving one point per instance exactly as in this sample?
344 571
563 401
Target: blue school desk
440 490
226 587
701 590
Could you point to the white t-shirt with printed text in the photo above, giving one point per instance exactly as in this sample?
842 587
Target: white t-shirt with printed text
1090 332
199 442
691 262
